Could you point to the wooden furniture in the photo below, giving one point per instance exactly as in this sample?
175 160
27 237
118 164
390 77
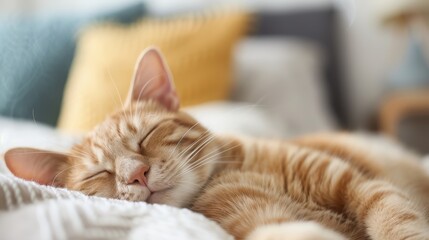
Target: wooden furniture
405 117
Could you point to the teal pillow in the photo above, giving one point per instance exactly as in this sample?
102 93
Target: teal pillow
35 57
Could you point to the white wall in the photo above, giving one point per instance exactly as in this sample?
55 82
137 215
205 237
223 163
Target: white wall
370 51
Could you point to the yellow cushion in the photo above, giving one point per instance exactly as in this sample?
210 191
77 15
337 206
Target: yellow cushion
198 49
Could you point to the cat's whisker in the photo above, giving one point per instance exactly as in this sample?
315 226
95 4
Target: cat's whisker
62 171
249 106
34 118
189 169
207 161
201 164
42 152
149 81
175 147
195 152
119 96
190 147
179 169
193 184
77 154
198 149
215 152
180 155
211 155
201 147
193 144
91 187
80 152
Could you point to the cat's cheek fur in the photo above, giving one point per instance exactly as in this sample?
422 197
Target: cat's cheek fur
181 194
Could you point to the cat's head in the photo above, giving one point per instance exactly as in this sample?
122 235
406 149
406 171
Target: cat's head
149 151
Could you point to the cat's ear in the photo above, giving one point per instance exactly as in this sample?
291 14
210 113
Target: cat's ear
36 165
152 80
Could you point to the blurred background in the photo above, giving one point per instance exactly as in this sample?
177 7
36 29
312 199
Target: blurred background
271 68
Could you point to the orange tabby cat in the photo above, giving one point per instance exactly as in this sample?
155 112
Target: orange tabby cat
321 187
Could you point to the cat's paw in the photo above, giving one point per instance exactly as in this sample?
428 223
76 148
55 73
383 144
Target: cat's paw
294 231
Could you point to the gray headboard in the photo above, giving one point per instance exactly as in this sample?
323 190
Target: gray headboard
319 26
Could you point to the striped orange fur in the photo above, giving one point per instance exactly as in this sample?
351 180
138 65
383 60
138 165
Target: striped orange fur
323 179
320 187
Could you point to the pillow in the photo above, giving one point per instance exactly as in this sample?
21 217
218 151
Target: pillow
36 54
285 77
198 49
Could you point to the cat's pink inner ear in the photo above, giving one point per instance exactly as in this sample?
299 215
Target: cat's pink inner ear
36 165
152 80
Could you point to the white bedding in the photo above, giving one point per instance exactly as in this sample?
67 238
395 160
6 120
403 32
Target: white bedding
32 211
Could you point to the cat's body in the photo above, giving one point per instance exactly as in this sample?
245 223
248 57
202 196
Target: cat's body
356 185
319 187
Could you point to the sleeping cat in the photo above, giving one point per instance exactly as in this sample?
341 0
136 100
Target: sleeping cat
323 187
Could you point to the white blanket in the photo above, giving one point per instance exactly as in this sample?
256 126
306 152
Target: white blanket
31 211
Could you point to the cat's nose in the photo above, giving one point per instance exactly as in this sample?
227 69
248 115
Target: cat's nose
138 176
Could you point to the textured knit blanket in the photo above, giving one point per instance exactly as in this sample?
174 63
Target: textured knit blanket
32 211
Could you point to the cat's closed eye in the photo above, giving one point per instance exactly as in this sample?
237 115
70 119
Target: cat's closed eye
102 173
149 134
